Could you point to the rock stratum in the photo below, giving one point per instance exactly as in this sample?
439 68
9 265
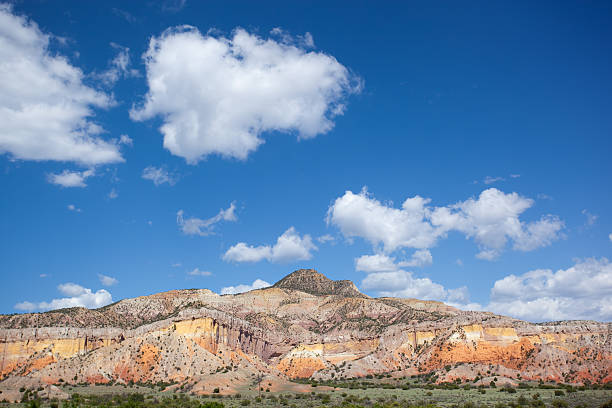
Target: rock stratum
305 326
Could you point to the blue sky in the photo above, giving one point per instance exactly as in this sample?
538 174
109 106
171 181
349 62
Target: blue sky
455 152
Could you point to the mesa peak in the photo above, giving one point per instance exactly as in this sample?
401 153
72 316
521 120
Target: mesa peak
313 282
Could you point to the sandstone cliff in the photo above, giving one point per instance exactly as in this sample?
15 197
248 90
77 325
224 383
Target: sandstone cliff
304 326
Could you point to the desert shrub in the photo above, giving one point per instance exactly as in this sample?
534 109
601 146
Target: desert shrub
212 404
245 402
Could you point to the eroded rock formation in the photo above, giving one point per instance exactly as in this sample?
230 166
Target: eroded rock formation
304 326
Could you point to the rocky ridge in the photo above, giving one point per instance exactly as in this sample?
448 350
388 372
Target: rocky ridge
306 325
315 283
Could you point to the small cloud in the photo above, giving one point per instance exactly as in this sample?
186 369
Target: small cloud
72 207
459 262
542 196
289 247
158 176
43 275
420 258
75 296
70 178
124 15
233 290
126 140
119 67
610 236
26 306
323 239
490 180
515 175
173 6
177 265
590 218
198 272
107 280
113 194
197 226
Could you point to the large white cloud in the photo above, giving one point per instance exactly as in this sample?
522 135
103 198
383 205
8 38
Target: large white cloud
360 215
45 108
404 284
76 296
583 291
217 95
197 226
232 290
386 277
289 247
491 220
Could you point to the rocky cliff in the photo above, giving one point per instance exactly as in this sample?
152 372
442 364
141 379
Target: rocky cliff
306 325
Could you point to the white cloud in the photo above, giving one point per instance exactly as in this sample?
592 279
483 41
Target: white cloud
590 218
375 263
196 226
490 180
126 140
158 176
421 257
70 178
197 272
77 296
610 237
45 109
107 280
583 291
400 283
173 6
289 247
360 215
385 263
491 220
26 306
119 67
323 239
72 207
232 290
124 14
43 275
217 95
113 194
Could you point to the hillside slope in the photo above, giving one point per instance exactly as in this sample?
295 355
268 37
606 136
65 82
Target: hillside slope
304 326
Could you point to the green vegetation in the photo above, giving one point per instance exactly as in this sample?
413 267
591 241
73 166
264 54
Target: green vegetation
376 392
